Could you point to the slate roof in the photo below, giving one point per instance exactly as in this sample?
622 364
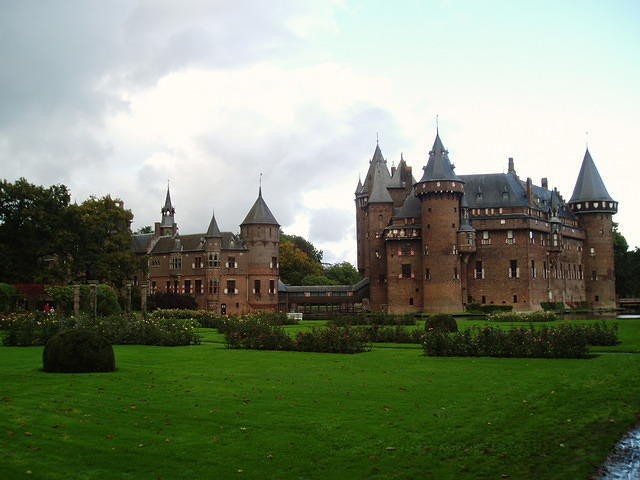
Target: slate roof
494 190
195 243
410 208
380 180
213 230
438 166
260 213
140 242
377 162
589 186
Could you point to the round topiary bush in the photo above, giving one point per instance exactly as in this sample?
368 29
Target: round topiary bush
442 322
78 351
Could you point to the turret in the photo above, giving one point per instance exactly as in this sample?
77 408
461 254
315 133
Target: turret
167 225
440 191
594 208
260 232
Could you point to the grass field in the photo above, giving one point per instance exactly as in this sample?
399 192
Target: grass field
208 412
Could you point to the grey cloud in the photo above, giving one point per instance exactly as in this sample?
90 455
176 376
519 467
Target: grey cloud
330 224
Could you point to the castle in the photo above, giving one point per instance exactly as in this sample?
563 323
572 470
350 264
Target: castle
225 272
448 240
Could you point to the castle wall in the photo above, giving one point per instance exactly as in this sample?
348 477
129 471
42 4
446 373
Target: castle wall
599 259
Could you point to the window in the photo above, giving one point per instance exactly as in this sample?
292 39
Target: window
231 262
199 287
510 240
406 249
168 287
187 287
382 278
456 273
597 298
213 259
197 263
454 249
580 272
410 300
216 285
231 287
514 271
155 262
274 262
256 287
515 299
406 270
594 275
484 299
175 263
272 287
485 238
592 251
556 240
532 238
478 272
427 274
176 286
533 269
545 269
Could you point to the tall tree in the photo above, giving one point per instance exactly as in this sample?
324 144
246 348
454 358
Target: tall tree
343 273
103 241
33 227
306 246
295 264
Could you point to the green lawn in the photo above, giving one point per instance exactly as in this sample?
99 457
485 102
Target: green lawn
207 412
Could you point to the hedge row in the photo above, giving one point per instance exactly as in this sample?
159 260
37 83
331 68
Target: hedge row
373 319
563 341
252 332
36 328
522 317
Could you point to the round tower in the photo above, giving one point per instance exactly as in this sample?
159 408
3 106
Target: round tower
440 191
260 233
594 209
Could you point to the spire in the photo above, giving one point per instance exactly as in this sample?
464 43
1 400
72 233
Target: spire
260 212
213 230
359 187
589 186
377 155
438 166
167 203
380 180
377 163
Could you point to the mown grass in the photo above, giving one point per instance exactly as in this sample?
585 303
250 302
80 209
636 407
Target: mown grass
208 412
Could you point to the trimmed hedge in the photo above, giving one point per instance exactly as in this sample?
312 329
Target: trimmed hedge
78 351
488 308
552 306
391 334
522 317
441 321
165 300
253 332
373 319
564 341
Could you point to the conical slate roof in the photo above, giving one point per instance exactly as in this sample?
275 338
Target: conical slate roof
213 230
260 213
377 162
438 166
167 203
380 180
359 187
589 186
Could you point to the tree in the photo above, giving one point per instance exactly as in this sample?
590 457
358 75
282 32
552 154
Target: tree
343 273
145 229
318 280
306 246
102 249
627 266
295 264
34 221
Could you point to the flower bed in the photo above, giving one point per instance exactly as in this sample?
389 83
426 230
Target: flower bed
563 341
522 317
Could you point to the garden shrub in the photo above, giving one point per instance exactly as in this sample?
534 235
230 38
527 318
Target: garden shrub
373 319
107 297
552 306
78 351
563 341
164 300
8 295
528 317
36 328
332 340
441 321
391 334
488 308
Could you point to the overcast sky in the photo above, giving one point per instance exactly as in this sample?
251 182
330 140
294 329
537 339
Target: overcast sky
117 97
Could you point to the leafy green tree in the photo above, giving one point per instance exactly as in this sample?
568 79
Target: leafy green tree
343 273
102 249
295 264
145 229
306 246
317 280
34 224
627 266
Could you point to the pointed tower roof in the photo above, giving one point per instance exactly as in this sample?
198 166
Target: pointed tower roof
213 230
377 162
465 225
260 213
380 180
589 186
167 203
438 166
359 187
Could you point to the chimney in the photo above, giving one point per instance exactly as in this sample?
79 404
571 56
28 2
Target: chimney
393 170
545 183
511 167
529 191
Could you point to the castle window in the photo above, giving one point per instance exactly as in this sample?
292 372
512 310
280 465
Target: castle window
514 271
545 269
594 275
454 249
533 269
213 259
155 262
484 299
231 288
597 298
154 286
272 287
199 287
274 262
426 249
456 273
231 262
410 300
382 278
427 274
485 240
515 299
592 251
500 210
580 272
532 238
168 287
469 238
187 287
478 272
197 263
406 270
510 240
175 263
256 287
176 286
378 254
455 209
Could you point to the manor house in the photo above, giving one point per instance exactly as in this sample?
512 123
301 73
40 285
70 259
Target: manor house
226 273
447 240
